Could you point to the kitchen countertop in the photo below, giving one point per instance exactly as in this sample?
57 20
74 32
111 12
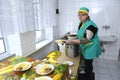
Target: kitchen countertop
7 69
75 60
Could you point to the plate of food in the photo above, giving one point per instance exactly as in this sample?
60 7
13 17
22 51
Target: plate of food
43 78
22 66
70 63
44 69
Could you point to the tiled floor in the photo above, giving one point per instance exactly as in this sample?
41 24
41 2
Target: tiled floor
106 69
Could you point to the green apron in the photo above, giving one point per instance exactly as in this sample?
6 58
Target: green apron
92 49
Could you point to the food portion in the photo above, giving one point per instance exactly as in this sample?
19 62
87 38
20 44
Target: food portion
19 68
43 78
45 69
22 66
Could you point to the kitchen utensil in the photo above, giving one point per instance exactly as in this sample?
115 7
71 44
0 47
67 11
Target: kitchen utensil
72 50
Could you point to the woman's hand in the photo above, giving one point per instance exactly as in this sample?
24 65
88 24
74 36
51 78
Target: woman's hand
69 41
73 41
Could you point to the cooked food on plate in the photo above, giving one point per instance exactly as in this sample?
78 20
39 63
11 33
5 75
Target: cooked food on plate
43 78
22 66
45 69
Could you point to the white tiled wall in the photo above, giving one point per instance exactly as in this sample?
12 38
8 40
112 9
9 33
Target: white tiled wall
103 12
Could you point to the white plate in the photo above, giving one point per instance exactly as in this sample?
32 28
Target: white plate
24 65
43 78
70 63
41 69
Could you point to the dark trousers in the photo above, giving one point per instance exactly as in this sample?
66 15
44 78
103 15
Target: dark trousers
89 75
88 66
88 63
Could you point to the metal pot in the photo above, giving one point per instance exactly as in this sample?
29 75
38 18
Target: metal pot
71 36
72 50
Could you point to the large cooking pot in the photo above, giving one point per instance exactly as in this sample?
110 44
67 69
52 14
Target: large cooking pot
71 36
72 50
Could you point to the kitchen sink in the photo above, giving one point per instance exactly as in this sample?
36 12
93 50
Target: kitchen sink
107 38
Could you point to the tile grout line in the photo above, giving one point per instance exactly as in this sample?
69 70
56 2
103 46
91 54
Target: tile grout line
109 70
118 63
98 72
96 62
102 61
